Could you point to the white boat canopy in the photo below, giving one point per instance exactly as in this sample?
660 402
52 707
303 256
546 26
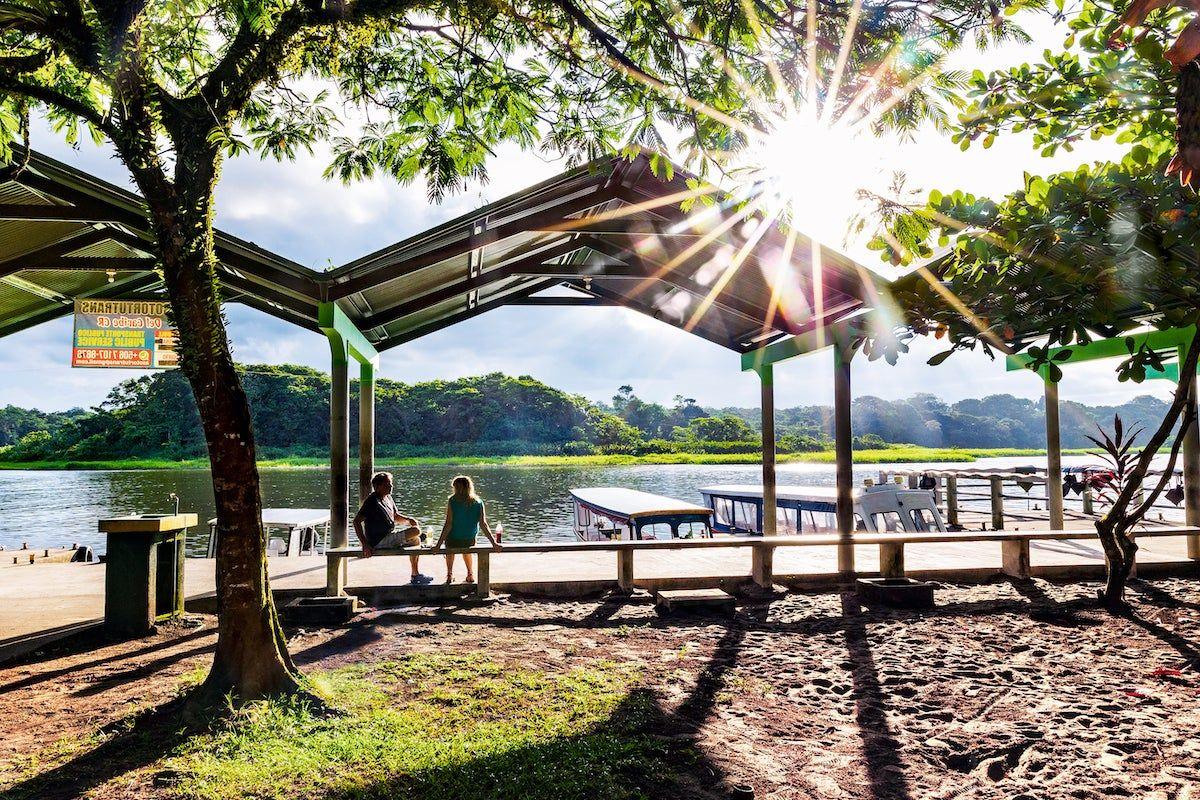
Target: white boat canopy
630 504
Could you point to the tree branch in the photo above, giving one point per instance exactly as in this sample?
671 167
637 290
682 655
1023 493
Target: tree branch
44 94
606 41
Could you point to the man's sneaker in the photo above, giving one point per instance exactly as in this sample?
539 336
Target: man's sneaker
421 580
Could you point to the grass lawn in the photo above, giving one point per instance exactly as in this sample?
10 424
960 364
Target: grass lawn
901 453
423 726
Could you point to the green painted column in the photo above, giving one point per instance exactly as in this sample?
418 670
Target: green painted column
844 455
339 450
1054 492
766 376
366 428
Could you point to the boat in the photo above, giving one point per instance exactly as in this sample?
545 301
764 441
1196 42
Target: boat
738 508
605 514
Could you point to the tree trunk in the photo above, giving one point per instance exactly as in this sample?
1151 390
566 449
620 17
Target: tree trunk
251 659
1119 553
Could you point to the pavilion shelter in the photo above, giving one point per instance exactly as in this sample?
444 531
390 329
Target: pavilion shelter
608 233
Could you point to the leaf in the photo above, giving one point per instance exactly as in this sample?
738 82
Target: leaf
938 358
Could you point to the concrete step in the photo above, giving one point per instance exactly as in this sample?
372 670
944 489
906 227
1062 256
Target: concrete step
671 601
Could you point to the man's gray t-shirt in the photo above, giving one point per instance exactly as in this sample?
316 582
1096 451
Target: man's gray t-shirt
379 517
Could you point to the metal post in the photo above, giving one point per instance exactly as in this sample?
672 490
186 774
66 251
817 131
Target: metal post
1191 460
1054 493
952 500
766 375
339 451
997 502
1088 507
844 453
366 428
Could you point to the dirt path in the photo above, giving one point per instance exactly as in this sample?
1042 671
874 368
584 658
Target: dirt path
1004 691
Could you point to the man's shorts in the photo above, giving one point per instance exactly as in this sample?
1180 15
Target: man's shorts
401 537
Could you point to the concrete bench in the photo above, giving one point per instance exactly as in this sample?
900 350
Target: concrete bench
1014 550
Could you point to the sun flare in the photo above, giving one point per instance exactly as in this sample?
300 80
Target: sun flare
818 174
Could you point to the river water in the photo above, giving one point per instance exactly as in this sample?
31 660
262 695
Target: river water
49 509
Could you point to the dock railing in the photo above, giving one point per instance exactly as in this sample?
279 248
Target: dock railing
991 498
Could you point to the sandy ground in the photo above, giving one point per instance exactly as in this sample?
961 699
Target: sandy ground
1004 691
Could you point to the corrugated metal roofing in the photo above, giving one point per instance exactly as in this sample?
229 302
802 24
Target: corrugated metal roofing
610 231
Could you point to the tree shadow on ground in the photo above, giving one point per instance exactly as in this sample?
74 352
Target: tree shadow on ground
366 630
130 744
1156 595
87 642
1080 612
881 748
1047 609
636 752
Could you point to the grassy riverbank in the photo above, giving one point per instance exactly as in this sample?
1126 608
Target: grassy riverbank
894 454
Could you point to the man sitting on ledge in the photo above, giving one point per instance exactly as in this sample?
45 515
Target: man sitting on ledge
375 524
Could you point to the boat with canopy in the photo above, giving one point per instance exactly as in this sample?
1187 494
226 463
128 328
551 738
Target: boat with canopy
609 514
738 508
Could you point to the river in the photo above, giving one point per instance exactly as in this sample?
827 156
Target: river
52 508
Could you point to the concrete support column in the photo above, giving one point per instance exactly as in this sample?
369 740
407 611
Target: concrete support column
366 428
952 500
844 454
1191 460
997 487
1054 493
339 451
766 376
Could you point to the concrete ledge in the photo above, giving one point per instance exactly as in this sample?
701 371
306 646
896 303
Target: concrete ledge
21 645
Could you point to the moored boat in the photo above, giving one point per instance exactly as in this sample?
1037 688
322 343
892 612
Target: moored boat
605 514
738 508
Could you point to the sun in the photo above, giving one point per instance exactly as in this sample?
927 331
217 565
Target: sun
814 174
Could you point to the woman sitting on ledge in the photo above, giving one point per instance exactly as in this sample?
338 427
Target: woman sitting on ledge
465 515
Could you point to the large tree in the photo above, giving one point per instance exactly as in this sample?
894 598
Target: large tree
416 88
1096 251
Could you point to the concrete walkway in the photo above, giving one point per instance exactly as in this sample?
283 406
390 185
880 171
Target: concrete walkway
44 598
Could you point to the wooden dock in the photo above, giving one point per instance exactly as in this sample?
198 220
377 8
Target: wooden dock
43 598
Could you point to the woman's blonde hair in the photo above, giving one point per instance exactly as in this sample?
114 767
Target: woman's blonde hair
464 488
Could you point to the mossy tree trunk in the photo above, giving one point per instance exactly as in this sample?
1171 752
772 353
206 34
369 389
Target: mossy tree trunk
251 659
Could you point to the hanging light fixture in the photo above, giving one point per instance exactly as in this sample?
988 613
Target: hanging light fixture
112 275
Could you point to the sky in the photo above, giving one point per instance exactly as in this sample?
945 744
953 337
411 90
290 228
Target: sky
290 209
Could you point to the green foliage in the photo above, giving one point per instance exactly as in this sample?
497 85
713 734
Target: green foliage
1071 256
442 85
151 421
725 428
17 422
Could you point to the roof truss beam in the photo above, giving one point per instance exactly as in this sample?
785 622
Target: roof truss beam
467 285
700 328
467 313
674 277
399 266
565 300
44 256
45 212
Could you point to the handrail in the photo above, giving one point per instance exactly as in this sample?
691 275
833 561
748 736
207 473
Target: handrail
1014 547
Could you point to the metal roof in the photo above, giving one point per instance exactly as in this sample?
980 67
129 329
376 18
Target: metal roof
607 233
